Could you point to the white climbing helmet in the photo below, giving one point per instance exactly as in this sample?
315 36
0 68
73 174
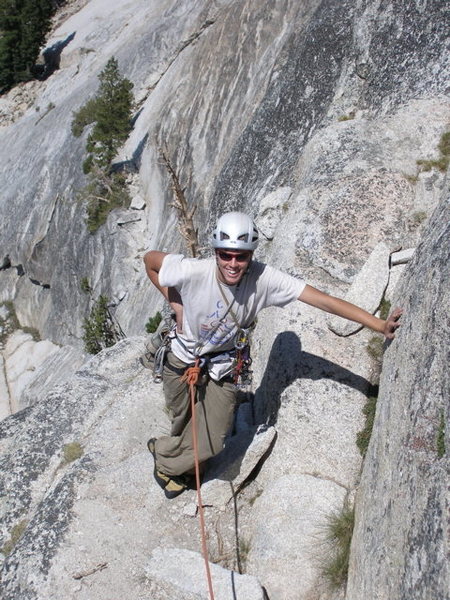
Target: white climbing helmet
235 231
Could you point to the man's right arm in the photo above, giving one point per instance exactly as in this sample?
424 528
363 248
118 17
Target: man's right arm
153 262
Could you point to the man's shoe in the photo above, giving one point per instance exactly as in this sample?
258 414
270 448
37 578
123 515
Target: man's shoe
176 486
161 478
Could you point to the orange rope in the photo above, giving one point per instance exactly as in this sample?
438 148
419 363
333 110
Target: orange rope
191 376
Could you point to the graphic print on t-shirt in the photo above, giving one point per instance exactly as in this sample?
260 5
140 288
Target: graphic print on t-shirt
217 330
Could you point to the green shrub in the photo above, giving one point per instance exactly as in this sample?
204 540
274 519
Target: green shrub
443 161
363 436
72 451
102 194
338 532
440 163
33 332
243 552
375 348
384 308
83 117
110 113
348 117
444 144
85 285
419 217
11 323
99 329
16 533
152 324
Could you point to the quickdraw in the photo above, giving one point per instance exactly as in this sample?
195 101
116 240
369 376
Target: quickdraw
243 375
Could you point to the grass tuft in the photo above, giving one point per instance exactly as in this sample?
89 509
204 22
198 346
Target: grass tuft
338 532
384 308
375 348
16 534
363 436
72 451
152 324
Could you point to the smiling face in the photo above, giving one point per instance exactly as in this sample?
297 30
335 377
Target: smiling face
232 265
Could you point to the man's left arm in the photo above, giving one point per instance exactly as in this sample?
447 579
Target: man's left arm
347 310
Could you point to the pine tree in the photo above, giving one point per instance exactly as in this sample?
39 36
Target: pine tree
9 42
111 111
35 20
24 25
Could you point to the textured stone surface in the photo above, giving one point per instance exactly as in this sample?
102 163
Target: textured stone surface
238 125
278 546
271 210
225 477
5 407
400 545
402 257
366 290
250 100
56 369
181 574
79 512
23 357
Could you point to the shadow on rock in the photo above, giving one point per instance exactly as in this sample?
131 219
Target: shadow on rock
52 59
288 363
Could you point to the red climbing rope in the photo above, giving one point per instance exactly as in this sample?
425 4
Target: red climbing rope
191 376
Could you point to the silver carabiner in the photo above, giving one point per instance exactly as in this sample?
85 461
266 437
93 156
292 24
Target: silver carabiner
241 339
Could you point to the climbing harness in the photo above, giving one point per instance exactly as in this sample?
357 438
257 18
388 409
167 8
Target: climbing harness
191 377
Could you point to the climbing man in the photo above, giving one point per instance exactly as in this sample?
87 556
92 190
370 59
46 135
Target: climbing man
215 301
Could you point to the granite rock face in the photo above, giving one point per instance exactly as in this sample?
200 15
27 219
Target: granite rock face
400 545
246 100
309 115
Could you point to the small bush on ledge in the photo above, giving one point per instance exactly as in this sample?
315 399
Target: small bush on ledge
103 193
100 330
152 324
338 535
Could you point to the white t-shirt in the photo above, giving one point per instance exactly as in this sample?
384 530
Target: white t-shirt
208 325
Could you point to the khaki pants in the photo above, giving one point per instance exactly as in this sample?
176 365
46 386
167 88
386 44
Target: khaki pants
214 412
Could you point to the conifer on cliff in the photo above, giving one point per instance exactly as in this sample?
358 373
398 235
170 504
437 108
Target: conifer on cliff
24 25
111 112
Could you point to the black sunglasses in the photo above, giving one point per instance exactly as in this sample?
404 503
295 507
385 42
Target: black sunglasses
226 256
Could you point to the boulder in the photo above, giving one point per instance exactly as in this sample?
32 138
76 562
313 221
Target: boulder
181 574
242 453
366 290
402 256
